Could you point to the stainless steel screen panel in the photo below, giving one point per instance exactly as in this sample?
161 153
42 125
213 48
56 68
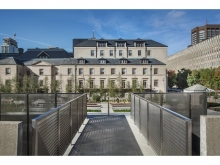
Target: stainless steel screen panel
132 106
154 127
176 139
143 117
198 107
177 102
137 111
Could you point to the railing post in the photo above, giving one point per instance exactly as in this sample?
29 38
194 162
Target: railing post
35 139
55 95
0 106
58 131
161 131
27 108
108 106
82 110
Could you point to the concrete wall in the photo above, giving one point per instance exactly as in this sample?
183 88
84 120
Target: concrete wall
10 138
209 135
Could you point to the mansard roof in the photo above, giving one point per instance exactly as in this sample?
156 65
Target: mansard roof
93 61
111 42
51 53
10 61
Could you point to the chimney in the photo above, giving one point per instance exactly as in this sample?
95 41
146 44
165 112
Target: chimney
20 51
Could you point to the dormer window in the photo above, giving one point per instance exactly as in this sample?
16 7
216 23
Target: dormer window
81 61
139 44
124 61
102 61
145 61
43 55
120 44
101 44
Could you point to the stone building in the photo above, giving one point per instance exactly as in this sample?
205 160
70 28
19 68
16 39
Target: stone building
97 60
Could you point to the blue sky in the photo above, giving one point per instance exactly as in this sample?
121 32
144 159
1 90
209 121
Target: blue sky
43 28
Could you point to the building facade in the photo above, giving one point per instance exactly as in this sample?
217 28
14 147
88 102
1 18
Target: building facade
205 54
142 61
201 33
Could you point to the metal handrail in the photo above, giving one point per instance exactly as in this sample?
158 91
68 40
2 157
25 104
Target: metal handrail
40 142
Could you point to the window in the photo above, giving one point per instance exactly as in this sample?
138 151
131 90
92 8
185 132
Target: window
144 61
155 70
80 83
123 71
28 73
80 71
120 52
69 70
101 52
102 61
41 71
156 83
7 82
133 71
113 82
57 72
123 61
91 84
7 71
112 71
81 61
92 52
91 71
144 71
123 84
148 52
139 52
130 52
102 83
101 44
144 84
139 44
102 71
111 52
41 83
120 44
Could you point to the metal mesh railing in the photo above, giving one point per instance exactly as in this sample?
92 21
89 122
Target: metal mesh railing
54 130
24 107
190 105
168 132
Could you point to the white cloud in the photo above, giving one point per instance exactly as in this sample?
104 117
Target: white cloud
175 14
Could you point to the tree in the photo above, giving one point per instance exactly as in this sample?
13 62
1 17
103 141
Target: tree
216 79
206 77
135 86
171 78
1 85
141 87
32 84
15 85
119 85
8 87
181 78
193 78
111 87
25 83
45 86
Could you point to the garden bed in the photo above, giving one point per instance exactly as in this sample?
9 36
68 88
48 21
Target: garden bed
94 110
122 110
